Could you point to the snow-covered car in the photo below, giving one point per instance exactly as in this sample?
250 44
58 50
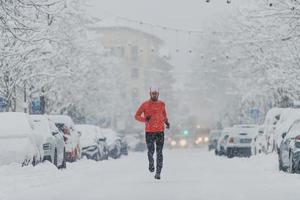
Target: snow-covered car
136 142
72 143
91 146
102 140
289 149
240 140
124 146
220 149
271 119
53 140
179 141
259 143
213 137
287 118
18 143
113 142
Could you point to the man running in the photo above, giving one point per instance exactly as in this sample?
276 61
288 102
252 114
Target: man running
153 113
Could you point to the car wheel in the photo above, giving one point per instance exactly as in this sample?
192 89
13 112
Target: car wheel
98 156
291 168
229 153
55 158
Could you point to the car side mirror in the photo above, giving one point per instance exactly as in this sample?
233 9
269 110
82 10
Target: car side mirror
103 139
79 133
55 133
283 135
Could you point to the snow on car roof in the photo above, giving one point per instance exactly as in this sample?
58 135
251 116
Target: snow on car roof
295 129
65 119
288 117
87 131
14 124
40 123
110 135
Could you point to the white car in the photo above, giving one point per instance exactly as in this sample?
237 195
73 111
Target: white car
287 118
113 142
259 144
53 140
72 143
91 144
271 119
213 138
222 141
240 140
18 143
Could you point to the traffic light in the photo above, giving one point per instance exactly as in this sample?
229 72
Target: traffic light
186 132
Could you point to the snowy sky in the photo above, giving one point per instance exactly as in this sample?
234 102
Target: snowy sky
183 14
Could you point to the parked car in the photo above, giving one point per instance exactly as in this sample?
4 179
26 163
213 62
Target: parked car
72 143
259 143
213 137
289 149
102 140
220 149
124 146
240 140
53 140
18 143
91 146
287 118
271 119
113 142
136 142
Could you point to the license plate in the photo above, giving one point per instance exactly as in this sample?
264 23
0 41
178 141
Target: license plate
246 140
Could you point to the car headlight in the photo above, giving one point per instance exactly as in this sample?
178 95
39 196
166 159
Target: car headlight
206 139
47 146
183 142
173 143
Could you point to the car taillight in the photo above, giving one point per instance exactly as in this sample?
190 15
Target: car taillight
231 140
297 137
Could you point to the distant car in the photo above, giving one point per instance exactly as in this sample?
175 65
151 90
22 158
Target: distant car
91 146
240 140
18 143
179 141
259 144
213 137
72 143
113 142
53 140
289 150
222 141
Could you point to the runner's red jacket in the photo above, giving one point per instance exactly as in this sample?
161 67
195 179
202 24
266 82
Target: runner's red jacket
156 110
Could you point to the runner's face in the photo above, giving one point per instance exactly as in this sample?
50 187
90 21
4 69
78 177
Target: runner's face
154 95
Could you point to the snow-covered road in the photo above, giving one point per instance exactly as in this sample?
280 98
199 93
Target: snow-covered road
188 174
